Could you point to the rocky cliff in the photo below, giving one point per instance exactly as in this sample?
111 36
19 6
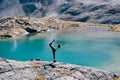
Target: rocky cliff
95 11
42 70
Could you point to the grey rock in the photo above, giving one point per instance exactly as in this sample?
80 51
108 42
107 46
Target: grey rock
33 70
95 11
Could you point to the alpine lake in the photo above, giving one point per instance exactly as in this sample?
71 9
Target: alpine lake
97 49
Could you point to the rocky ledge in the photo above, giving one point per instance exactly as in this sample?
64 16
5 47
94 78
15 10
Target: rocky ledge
42 70
17 26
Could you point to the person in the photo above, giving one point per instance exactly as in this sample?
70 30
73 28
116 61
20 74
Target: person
54 50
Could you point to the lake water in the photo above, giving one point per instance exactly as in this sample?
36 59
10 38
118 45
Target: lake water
98 49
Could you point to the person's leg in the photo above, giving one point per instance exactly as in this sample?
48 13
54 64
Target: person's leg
54 60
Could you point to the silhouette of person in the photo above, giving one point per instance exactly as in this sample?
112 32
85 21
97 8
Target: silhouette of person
54 49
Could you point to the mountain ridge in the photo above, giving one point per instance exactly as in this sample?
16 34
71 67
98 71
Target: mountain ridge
95 11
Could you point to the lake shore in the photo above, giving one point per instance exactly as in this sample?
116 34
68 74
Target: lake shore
43 70
21 26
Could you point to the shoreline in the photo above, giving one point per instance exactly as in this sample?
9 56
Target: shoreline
21 26
45 70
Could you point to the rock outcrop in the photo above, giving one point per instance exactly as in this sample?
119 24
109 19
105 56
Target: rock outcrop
12 27
42 70
18 26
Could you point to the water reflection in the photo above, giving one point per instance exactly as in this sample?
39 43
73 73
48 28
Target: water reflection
14 47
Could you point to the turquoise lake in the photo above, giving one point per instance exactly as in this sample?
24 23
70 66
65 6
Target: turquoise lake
98 49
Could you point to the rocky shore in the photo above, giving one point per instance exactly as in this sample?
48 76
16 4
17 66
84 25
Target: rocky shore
20 26
43 70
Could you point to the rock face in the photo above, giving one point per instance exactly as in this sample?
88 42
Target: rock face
42 70
95 11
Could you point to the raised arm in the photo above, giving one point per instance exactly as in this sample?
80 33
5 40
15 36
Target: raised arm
51 44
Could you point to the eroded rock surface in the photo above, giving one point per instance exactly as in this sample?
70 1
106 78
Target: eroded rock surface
42 70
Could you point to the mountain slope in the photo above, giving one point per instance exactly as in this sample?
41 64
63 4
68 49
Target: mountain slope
95 11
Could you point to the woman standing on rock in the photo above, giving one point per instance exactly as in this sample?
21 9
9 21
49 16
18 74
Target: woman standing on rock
54 49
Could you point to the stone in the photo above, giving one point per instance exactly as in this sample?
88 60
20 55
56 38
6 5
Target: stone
117 78
34 70
34 65
6 36
40 77
30 30
64 72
